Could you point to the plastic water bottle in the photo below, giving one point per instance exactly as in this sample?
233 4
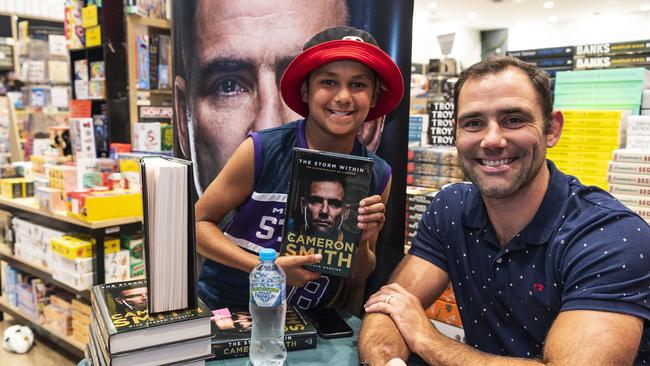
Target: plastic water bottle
268 308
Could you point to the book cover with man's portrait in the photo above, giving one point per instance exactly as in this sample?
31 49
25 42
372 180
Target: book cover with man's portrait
322 208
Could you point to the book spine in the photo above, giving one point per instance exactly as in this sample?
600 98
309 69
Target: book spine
430 180
628 190
637 142
153 61
232 349
612 48
417 207
630 156
611 62
643 212
553 62
542 52
451 171
300 341
102 315
638 125
628 168
446 156
634 201
631 179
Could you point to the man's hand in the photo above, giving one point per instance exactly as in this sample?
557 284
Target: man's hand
297 275
406 311
371 216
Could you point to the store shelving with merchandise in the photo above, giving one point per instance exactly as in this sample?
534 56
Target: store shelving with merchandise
149 69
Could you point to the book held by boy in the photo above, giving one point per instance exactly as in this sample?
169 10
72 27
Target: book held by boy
322 207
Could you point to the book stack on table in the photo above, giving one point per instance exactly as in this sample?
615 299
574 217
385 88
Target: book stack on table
122 332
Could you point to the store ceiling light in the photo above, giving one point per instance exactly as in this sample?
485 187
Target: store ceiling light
553 19
548 4
645 7
472 16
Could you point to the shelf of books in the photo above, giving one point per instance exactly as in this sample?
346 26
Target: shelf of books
149 69
68 343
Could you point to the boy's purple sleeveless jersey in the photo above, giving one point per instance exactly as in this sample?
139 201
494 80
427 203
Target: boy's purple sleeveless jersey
258 222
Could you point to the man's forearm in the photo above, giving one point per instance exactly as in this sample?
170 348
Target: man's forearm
443 351
380 340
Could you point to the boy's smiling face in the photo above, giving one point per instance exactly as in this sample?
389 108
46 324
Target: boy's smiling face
340 95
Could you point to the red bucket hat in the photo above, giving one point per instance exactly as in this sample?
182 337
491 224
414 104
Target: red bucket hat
343 43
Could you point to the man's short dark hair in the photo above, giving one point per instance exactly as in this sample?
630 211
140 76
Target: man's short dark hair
186 37
320 176
538 77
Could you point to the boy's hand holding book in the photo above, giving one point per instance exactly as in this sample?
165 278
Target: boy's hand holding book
293 267
371 216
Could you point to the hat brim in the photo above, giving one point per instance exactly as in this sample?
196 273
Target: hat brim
324 53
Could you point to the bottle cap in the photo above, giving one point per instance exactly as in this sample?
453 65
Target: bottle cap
267 254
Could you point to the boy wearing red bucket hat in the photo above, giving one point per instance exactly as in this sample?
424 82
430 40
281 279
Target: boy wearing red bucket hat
340 80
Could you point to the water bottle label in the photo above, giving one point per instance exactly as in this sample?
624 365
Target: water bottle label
267 296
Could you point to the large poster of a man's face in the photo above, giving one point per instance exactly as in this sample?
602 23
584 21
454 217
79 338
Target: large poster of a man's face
233 56
230 57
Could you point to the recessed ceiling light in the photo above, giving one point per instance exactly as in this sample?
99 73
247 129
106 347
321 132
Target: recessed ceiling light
553 19
472 16
645 7
548 4
432 5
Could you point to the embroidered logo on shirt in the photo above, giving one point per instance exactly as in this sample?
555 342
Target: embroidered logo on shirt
538 287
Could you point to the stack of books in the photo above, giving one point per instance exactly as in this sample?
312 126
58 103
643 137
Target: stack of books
122 332
628 173
433 166
614 89
441 129
588 139
612 55
418 200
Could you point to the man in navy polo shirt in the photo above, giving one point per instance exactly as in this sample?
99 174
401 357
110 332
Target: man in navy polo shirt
544 269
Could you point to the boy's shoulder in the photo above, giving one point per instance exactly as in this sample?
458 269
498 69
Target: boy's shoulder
282 129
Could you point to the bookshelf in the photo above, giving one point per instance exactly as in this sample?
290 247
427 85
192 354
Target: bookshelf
27 208
107 45
141 25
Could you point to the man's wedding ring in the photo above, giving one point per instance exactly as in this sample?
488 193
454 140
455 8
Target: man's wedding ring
387 299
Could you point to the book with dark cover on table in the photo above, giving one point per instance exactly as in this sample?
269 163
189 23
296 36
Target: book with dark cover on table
231 332
322 208
125 324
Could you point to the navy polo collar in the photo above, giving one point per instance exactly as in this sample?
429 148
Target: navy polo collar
542 226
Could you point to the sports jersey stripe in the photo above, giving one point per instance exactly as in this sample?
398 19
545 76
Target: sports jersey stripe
269 197
245 243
